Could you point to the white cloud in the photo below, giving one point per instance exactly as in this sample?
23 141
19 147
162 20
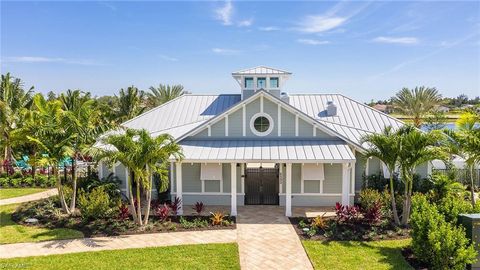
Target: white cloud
396 40
245 23
318 24
224 51
313 41
167 58
225 13
269 28
40 59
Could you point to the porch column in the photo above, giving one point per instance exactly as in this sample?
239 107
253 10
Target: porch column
179 187
100 170
345 184
233 187
288 190
127 182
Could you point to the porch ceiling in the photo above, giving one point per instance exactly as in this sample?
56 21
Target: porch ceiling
288 151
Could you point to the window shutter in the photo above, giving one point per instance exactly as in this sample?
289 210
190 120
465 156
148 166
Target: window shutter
211 171
313 172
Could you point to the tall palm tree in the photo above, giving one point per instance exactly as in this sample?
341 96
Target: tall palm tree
143 155
84 125
416 148
417 102
129 104
164 93
53 138
385 146
13 99
465 142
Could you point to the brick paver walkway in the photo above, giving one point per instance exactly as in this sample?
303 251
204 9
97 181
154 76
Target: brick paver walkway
31 197
117 242
267 240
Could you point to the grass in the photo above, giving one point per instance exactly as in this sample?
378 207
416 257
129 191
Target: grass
7 193
208 256
11 232
375 255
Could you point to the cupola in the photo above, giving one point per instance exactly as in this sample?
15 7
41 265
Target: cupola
261 78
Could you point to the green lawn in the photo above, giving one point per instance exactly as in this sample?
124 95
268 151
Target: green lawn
10 232
353 255
210 256
6 193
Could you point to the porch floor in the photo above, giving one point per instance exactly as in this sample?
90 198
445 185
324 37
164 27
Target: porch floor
297 211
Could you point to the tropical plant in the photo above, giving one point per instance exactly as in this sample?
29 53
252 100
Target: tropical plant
13 100
162 212
143 155
95 204
198 207
175 205
163 93
416 148
129 104
347 214
217 218
319 222
417 102
386 147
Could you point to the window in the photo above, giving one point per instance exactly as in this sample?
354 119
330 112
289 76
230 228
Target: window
261 124
312 177
261 83
248 83
274 82
211 177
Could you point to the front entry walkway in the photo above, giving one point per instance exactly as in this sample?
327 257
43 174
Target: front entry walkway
267 240
31 197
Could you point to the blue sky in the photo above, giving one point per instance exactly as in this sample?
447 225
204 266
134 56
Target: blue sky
366 50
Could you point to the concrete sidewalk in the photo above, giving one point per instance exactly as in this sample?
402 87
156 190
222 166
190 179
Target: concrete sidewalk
31 197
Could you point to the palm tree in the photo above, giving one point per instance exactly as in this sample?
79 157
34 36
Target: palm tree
143 155
13 99
385 146
84 125
416 148
465 142
417 102
129 103
53 138
164 93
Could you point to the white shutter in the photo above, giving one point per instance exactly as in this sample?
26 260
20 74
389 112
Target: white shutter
313 172
211 171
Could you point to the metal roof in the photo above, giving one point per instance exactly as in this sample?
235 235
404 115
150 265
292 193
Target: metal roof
260 150
260 70
182 114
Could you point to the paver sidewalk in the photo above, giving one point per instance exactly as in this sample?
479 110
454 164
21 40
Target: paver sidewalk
31 197
117 242
267 240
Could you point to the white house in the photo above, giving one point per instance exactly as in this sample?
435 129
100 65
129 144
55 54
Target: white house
264 146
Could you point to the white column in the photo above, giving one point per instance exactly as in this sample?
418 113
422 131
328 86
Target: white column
288 190
233 187
345 184
242 178
100 169
179 187
352 177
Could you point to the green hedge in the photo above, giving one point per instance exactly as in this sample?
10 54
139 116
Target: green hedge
16 182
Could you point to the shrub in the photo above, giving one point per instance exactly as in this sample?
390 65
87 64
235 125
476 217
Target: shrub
124 211
4 182
318 222
217 218
15 182
162 212
435 241
28 181
453 205
175 205
196 223
369 197
95 204
373 214
198 207
17 175
347 214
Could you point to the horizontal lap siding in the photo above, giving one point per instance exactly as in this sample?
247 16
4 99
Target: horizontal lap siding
333 178
359 171
296 178
191 177
315 200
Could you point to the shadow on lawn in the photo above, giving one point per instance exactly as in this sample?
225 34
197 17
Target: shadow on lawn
389 255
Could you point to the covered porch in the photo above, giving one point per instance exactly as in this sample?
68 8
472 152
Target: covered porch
308 178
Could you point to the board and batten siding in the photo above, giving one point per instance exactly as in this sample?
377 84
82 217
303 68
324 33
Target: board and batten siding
236 124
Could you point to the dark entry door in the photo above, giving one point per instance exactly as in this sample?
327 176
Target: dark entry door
261 186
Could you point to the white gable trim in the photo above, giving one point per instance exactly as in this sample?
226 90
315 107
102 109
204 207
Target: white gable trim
261 93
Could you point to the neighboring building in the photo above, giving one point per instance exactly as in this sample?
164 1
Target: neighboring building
443 109
383 108
264 146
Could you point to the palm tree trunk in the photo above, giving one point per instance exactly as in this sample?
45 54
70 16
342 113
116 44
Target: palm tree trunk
394 203
61 195
74 185
139 205
132 202
472 190
149 200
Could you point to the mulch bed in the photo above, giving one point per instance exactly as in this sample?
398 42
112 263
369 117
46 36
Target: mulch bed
361 232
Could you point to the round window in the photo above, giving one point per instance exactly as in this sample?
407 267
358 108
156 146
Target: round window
261 124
